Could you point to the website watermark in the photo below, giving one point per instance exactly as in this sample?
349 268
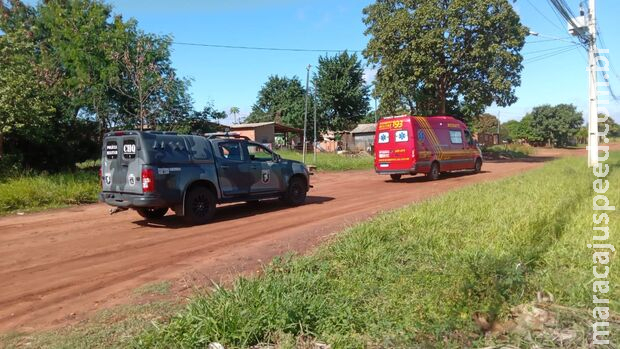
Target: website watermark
602 251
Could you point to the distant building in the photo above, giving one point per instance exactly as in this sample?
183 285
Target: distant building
364 136
265 132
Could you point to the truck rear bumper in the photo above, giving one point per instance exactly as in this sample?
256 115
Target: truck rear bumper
131 200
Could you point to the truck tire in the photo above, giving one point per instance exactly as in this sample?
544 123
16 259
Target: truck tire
152 213
395 177
434 173
478 165
199 205
296 192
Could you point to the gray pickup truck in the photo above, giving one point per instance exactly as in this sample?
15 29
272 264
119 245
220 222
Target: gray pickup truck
154 171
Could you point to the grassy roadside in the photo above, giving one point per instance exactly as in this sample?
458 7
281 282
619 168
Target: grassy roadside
35 192
418 275
413 277
333 161
42 191
507 151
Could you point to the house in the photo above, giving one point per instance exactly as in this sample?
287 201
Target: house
265 133
363 136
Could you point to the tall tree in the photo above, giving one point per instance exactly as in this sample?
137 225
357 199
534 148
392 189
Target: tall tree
234 111
343 96
447 56
557 124
22 98
280 99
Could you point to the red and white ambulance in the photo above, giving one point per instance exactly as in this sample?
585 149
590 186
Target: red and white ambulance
431 145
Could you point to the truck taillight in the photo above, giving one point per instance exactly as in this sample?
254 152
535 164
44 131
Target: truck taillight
148 180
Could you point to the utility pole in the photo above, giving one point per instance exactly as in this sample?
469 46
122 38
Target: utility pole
314 143
375 109
593 117
303 151
498 124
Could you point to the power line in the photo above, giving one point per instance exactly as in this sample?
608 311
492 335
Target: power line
545 17
261 48
548 55
551 49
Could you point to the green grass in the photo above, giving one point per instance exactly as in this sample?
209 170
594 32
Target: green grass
109 328
36 192
510 151
415 276
333 161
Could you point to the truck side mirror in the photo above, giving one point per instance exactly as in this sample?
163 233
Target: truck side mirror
276 157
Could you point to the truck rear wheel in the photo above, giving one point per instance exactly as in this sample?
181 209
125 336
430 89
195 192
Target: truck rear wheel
152 213
296 193
199 205
434 173
395 177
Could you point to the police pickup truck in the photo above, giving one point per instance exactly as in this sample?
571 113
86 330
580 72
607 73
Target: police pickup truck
152 172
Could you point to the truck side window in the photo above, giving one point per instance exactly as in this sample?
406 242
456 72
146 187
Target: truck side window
456 137
259 153
231 151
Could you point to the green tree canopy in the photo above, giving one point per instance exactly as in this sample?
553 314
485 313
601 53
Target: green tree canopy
447 56
556 124
343 96
280 99
485 123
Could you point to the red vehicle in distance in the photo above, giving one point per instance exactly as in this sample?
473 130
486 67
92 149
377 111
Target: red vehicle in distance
430 145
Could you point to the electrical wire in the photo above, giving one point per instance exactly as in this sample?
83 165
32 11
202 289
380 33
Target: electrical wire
545 17
548 55
261 48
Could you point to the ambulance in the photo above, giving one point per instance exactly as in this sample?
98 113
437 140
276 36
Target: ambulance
432 145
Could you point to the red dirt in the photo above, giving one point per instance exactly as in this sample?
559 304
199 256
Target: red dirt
60 266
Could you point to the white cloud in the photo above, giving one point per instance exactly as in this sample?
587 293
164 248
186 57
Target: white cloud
370 74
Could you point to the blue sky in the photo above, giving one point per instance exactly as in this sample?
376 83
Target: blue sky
232 77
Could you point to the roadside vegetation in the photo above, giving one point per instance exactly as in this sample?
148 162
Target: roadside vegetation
419 275
333 161
507 151
29 192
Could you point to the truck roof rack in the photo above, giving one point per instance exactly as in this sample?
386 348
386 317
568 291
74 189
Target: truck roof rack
226 135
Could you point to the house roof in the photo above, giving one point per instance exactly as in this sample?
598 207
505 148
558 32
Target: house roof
277 127
365 128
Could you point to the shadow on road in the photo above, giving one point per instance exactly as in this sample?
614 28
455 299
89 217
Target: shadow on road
232 212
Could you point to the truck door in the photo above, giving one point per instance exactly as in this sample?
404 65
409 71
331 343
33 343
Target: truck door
233 168
472 149
266 174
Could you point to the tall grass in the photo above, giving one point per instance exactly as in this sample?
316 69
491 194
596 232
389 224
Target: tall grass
35 192
416 276
333 161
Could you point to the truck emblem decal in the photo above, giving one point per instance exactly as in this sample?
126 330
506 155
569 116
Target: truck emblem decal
421 135
108 179
266 176
132 180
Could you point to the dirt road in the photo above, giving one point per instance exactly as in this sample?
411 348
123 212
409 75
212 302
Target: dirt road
62 265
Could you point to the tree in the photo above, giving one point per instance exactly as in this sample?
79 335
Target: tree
343 96
448 56
22 102
485 123
234 111
280 99
557 124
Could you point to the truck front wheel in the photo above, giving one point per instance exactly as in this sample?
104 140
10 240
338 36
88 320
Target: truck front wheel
152 213
199 205
296 193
